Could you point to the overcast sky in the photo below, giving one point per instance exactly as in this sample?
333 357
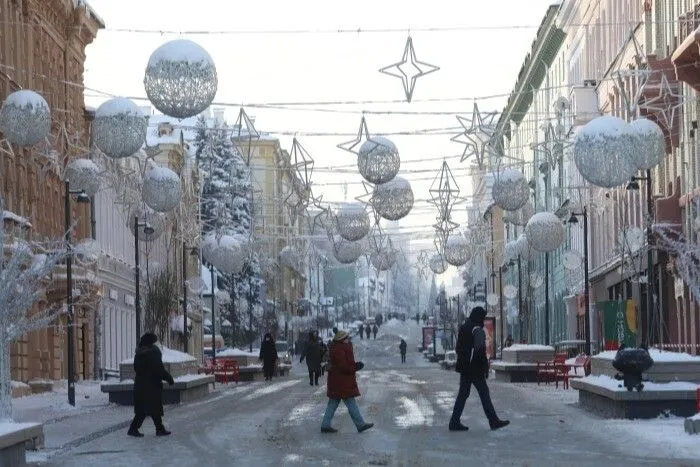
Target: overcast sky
274 67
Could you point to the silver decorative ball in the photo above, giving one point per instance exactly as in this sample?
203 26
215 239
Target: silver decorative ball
527 253
119 128
83 174
604 153
161 189
346 252
352 221
510 291
510 190
227 253
25 118
649 143
383 259
545 232
393 200
457 250
154 220
521 216
438 264
181 79
378 160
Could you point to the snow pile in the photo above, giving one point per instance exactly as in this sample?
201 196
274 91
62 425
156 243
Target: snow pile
612 384
9 215
118 106
181 50
237 353
187 378
10 427
169 356
656 355
521 347
49 406
695 417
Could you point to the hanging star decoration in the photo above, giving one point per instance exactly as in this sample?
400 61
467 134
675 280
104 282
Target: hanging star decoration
409 69
444 192
363 136
243 135
320 216
553 145
302 162
664 105
631 82
368 200
478 134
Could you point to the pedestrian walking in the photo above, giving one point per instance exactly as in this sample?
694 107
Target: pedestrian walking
148 386
374 330
368 330
312 354
402 349
268 355
342 384
473 367
361 331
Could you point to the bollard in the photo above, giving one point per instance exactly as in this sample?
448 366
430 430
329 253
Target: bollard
697 400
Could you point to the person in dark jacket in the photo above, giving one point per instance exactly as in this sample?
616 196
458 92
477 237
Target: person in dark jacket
342 384
324 355
362 331
368 330
268 355
312 354
402 349
473 367
148 386
374 330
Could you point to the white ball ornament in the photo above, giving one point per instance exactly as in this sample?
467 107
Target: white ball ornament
25 118
438 264
146 216
383 259
393 200
227 253
352 221
510 190
346 252
649 143
161 189
181 79
119 128
457 250
545 232
83 174
378 160
604 153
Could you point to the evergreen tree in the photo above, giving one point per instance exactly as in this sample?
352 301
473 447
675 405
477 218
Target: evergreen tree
432 298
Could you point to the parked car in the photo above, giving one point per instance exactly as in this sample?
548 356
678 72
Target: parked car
284 353
450 360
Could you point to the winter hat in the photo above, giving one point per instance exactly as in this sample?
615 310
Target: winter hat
340 336
477 315
148 339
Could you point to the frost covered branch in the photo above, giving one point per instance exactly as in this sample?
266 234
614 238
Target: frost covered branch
685 253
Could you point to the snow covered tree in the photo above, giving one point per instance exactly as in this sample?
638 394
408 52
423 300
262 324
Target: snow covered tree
432 298
404 286
24 275
685 254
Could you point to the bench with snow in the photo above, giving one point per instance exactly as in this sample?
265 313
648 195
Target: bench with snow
187 388
519 364
668 366
16 438
249 366
609 398
183 367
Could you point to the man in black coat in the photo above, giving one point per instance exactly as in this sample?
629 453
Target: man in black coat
268 355
312 353
473 367
402 349
148 386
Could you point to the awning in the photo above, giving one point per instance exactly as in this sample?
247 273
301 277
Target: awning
686 60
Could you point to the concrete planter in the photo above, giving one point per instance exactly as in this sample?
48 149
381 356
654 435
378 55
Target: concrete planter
126 370
524 355
660 372
195 388
15 442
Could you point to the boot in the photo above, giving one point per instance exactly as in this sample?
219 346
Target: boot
162 432
328 429
134 433
365 427
499 424
458 427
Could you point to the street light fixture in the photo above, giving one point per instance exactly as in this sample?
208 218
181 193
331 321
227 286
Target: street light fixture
586 295
148 230
82 197
194 251
633 185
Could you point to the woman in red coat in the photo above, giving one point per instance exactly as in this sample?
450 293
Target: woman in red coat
342 384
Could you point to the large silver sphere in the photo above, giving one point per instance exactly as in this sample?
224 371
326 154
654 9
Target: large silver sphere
181 79
83 174
119 128
438 264
393 200
457 250
510 190
228 253
604 153
161 189
346 252
25 118
352 221
511 251
527 253
378 160
383 259
153 219
545 232
649 143
521 216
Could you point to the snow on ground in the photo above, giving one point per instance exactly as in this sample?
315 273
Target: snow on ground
416 412
397 329
11 427
237 353
529 347
270 388
656 355
612 384
53 405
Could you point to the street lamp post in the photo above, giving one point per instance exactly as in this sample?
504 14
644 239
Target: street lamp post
81 198
213 321
634 185
192 251
148 230
586 294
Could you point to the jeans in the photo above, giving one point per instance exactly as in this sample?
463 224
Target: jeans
313 377
139 419
352 408
403 358
465 384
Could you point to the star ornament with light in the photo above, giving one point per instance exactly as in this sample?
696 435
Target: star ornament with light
669 100
302 162
478 134
444 191
409 69
355 144
320 216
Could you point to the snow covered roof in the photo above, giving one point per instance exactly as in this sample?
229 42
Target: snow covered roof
11 216
91 11
185 128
